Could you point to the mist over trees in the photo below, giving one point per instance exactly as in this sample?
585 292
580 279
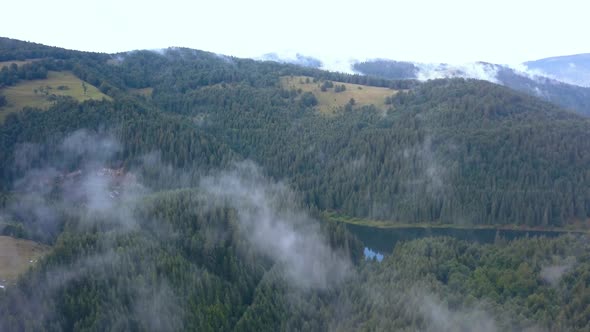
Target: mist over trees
201 204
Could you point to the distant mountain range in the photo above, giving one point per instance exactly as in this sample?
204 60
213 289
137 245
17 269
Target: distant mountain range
569 96
563 80
573 69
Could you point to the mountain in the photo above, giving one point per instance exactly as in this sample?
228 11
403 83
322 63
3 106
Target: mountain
572 69
296 59
569 96
186 190
441 140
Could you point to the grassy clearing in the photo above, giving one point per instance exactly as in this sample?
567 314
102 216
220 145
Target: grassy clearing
38 93
330 101
16 255
388 224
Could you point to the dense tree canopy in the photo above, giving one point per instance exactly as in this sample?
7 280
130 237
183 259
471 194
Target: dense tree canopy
154 225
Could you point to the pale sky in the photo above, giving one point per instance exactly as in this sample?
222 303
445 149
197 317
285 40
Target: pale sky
453 31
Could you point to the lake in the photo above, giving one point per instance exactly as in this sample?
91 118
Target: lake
383 240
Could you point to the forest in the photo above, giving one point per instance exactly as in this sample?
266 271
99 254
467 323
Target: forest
195 199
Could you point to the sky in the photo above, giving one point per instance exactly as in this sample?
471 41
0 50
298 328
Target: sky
451 31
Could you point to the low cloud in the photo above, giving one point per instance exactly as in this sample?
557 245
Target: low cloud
474 70
552 274
439 317
81 185
569 74
334 64
430 173
272 224
292 58
78 182
530 73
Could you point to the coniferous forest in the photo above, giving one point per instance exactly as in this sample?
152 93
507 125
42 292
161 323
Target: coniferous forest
196 194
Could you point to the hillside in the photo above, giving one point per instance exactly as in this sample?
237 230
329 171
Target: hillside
193 197
573 69
334 96
468 149
568 96
43 93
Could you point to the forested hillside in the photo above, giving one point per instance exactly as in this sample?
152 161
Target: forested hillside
471 150
191 197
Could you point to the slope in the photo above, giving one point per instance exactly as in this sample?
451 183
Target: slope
160 219
566 95
42 93
332 96
573 69
451 151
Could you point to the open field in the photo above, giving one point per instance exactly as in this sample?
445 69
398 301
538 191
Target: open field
330 101
38 93
16 255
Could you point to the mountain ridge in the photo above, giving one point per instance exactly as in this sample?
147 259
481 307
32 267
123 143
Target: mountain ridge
573 69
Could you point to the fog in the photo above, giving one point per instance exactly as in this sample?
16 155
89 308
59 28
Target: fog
273 224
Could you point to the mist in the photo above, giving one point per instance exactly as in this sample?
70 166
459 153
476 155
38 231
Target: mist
474 70
272 223
97 194
81 187
330 63
79 182
552 274
439 317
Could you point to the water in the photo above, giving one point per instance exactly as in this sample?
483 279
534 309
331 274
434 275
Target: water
370 254
383 240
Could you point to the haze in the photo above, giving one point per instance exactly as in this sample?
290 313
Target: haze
455 31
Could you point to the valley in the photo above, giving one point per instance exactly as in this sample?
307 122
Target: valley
178 189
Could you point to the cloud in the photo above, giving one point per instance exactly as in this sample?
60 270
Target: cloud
567 73
552 274
417 304
152 303
430 173
474 70
343 65
329 63
272 224
157 308
97 192
531 73
291 57
25 155
81 185
82 143
439 317
77 182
